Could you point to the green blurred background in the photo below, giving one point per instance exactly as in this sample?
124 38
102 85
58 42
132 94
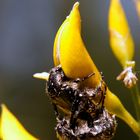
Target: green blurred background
27 31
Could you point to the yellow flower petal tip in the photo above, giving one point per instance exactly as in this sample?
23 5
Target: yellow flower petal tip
11 129
43 76
70 51
76 5
121 41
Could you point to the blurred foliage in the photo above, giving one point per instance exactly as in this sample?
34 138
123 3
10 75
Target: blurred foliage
10 127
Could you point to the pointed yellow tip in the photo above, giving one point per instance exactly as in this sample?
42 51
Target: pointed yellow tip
43 76
76 5
74 16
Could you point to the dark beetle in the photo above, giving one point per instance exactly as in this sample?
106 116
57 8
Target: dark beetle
74 100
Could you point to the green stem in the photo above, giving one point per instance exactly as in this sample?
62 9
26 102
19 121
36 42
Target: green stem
136 100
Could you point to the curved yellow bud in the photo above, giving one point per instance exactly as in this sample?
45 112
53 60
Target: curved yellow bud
121 41
70 51
11 129
114 106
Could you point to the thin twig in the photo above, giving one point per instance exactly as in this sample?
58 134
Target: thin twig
136 100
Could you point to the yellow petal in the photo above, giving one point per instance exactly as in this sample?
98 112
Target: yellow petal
70 51
114 106
43 76
56 49
11 129
121 40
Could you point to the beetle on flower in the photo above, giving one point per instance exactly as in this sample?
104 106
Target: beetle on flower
71 55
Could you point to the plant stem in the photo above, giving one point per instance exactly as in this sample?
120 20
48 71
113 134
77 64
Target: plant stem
136 100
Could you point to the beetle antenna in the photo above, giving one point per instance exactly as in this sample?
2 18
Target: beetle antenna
88 76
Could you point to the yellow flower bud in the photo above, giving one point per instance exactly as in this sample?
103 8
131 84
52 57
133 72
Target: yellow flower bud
121 41
70 51
11 129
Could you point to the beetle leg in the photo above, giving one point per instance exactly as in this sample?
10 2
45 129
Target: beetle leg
56 111
77 80
74 112
88 76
